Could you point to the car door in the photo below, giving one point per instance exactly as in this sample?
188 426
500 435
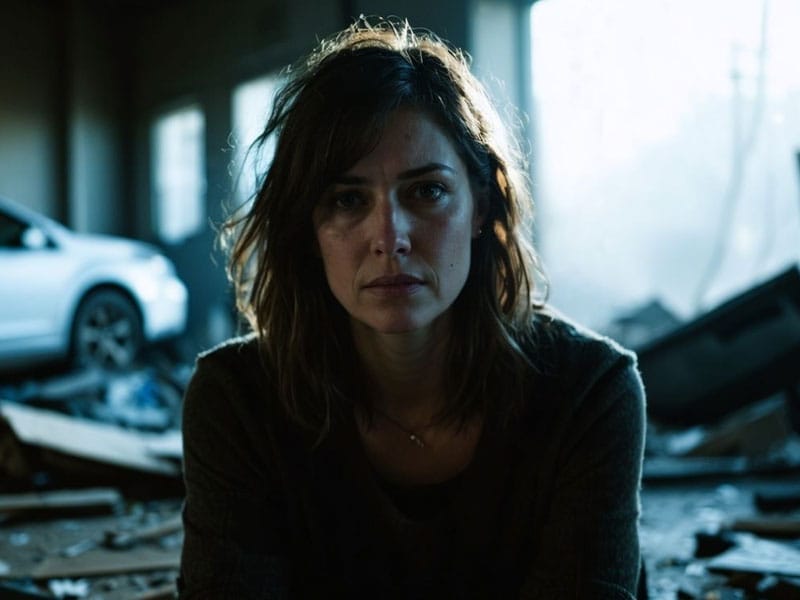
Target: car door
33 277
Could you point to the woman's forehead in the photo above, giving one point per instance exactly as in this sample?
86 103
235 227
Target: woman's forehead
408 138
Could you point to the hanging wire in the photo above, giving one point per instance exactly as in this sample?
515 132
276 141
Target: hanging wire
742 151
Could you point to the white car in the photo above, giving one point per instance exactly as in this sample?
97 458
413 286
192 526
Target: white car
90 298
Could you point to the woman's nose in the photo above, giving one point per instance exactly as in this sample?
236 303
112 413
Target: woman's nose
390 229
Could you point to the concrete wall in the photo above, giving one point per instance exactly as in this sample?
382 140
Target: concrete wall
61 110
30 104
98 111
198 52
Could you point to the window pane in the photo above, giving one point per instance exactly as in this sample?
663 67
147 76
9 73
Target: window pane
252 103
666 137
179 182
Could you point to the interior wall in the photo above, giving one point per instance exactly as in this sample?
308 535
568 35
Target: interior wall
95 116
198 52
30 104
61 146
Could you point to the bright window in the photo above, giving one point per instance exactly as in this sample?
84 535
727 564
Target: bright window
666 136
179 181
252 103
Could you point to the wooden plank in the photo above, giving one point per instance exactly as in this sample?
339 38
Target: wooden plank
61 500
127 538
666 468
168 445
87 439
163 592
752 431
100 561
754 555
123 539
784 527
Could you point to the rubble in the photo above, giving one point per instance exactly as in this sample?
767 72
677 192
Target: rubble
758 556
85 439
722 458
83 541
93 427
643 324
772 527
132 553
787 498
757 438
740 352
62 502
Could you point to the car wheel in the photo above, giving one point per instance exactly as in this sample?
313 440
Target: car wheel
106 332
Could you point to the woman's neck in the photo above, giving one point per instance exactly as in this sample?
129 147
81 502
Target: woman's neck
405 371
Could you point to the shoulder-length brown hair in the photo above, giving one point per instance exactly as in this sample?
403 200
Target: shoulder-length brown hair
329 114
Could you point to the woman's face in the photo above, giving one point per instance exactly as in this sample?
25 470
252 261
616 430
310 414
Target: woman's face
395 231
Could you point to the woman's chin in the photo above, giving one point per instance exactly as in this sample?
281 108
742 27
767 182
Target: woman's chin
398 324
393 327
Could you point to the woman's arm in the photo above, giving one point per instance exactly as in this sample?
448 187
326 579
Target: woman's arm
234 546
589 547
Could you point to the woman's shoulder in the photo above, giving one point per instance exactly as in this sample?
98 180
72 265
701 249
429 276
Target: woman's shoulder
568 357
234 373
555 338
240 359
577 377
232 350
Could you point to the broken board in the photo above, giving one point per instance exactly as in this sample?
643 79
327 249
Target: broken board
91 440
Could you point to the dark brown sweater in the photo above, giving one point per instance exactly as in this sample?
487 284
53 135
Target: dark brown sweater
548 508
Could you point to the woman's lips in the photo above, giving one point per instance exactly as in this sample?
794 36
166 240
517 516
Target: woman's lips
394 285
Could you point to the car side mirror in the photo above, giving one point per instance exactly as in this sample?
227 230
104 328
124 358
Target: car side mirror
34 238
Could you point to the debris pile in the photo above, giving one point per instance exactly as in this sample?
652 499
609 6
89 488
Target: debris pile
62 536
88 544
724 410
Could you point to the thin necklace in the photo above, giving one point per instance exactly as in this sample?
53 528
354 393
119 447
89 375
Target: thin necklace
412 435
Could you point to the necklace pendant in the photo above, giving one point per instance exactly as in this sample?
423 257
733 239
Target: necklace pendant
416 439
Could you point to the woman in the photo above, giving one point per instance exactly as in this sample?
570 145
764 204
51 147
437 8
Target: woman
405 421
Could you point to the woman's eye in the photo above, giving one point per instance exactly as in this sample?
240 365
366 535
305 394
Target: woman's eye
348 201
429 191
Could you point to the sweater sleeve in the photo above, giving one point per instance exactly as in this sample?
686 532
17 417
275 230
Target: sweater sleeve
234 546
589 546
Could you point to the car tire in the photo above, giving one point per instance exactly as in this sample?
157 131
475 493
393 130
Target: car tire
106 331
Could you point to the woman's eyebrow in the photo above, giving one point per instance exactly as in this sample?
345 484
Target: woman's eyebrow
425 169
409 174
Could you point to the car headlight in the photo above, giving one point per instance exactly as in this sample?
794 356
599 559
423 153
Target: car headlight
160 265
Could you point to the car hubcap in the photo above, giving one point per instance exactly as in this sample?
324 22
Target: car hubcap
107 337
